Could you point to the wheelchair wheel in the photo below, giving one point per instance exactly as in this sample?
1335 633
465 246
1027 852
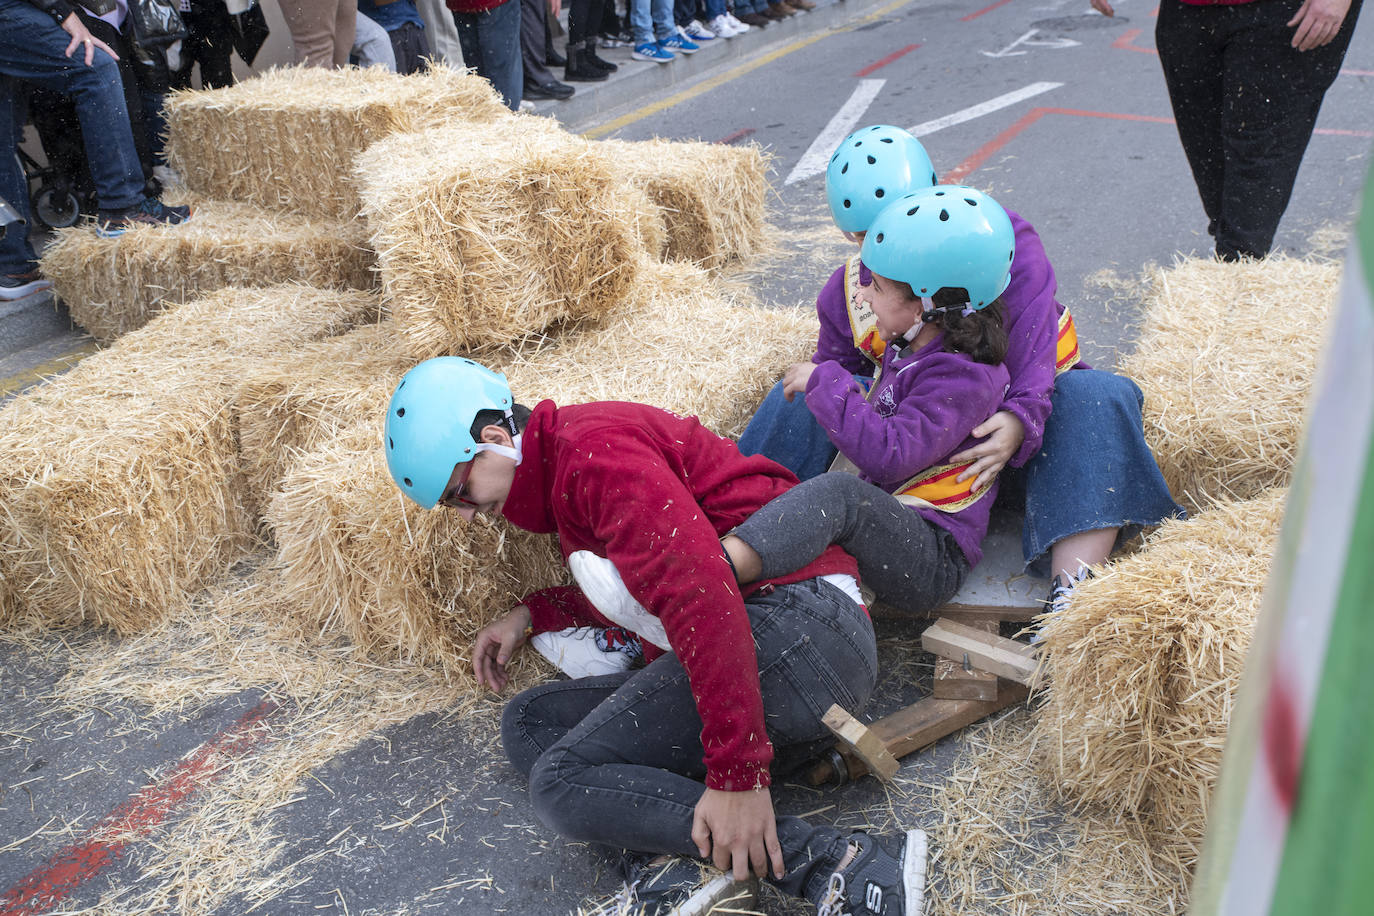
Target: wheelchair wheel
56 207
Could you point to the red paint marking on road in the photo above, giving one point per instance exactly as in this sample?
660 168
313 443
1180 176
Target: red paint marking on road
736 136
1357 73
45 887
986 151
1154 13
1283 745
1124 42
987 9
885 61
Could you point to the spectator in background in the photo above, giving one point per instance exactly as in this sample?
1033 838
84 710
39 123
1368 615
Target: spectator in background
321 30
212 35
371 46
704 20
1246 80
44 42
440 32
489 31
585 17
536 49
404 28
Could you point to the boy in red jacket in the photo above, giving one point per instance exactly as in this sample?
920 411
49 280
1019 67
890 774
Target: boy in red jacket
673 759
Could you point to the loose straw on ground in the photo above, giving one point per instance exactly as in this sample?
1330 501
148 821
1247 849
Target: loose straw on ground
1226 360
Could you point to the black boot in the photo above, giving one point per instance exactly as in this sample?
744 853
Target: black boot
580 69
597 61
552 58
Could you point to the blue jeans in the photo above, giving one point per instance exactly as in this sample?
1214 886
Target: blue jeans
651 19
491 46
1093 470
684 11
618 759
32 49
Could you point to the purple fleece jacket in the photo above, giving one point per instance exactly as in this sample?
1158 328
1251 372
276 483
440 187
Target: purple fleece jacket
919 413
1032 322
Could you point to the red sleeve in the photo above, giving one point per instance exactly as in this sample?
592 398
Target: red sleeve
561 607
669 555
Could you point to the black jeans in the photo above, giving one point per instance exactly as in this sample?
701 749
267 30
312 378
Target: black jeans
618 759
1246 103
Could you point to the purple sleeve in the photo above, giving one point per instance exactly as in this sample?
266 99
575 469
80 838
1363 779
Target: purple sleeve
941 401
1032 322
836 340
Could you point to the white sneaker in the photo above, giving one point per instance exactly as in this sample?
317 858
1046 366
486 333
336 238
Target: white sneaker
698 32
589 651
722 28
600 581
739 27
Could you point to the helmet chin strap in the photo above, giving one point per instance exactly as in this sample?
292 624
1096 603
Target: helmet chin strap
514 451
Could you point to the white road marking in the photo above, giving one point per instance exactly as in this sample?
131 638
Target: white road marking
1030 41
977 111
817 156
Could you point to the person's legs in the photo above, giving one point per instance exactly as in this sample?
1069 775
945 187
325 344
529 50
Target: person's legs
1094 472
491 46
34 50
17 256
642 21
534 31
312 24
787 432
629 774
1273 95
410 47
1191 47
372 45
344 31
908 562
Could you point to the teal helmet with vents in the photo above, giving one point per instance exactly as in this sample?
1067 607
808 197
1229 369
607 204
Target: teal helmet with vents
945 236
429 423
871 168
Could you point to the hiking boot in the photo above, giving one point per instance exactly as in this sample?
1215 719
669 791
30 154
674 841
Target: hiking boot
879 876
600 581
755 20
779 11
675 886
151 212
17 286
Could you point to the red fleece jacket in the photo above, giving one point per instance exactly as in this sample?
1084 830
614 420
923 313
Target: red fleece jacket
653 492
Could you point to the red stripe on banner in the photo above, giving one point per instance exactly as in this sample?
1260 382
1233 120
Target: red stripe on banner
987 9
66 871
1124 43
885 61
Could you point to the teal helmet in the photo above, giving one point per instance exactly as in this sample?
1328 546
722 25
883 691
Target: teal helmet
940 237
429 423
871 168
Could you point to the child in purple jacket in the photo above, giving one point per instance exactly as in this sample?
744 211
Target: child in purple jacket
1089 478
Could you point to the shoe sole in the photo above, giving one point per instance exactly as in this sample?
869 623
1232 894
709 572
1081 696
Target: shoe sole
914 872
10 294
652 60
741 896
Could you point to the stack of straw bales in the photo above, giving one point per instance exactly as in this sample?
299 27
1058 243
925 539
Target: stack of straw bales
357 556
488 233
712 195
288 138
1144 665
121 480
1226 359
114 285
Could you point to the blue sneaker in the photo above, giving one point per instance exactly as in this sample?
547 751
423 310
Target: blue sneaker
678 41
653 51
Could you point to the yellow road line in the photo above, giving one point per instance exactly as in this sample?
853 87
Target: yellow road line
734 73
21 380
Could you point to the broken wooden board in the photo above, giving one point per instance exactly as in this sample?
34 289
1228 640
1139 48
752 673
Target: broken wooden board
987 651
861 742
954 681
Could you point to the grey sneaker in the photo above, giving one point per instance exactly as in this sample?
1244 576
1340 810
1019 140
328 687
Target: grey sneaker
675 886
885 876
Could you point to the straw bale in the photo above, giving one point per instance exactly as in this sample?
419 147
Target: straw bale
297 130
359 558
112 286
1144 663
712 195
120 482
488 233
295 403
1226 359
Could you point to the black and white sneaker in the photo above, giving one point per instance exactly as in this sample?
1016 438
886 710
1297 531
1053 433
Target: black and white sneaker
675 886
879 876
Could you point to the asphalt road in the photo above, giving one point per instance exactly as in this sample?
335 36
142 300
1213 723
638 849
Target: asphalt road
422 815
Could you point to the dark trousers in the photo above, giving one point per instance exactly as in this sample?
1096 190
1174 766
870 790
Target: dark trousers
491 46
584 18
1246 103
535 40
618 759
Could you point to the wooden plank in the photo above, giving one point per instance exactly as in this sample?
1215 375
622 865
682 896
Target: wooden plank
865 745
953 682
922 724
1020 613
1003 657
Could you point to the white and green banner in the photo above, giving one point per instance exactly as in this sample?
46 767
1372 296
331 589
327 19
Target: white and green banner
1292 823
